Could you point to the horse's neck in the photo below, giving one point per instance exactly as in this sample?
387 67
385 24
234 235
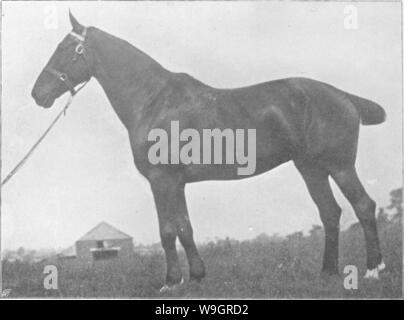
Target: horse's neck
129 77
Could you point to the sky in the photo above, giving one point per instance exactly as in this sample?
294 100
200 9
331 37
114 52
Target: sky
83 172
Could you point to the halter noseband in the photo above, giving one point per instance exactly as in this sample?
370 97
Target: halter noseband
80 38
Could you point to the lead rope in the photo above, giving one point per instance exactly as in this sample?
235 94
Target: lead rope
29 153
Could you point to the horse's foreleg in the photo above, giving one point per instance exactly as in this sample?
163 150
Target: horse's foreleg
185 234
168 229
174 221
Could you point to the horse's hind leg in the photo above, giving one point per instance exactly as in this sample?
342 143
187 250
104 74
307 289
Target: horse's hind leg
349 183
316 179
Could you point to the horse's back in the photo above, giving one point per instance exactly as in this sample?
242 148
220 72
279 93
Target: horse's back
292 116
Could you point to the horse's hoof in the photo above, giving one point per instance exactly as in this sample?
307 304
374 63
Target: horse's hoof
374 273
169 288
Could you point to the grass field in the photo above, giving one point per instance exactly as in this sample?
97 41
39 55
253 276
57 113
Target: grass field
265 267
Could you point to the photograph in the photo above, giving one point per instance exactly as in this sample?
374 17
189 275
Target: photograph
201 150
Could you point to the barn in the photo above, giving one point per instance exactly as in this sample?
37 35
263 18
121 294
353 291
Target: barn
103 242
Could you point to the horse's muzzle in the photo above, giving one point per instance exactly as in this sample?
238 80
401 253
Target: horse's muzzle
45 101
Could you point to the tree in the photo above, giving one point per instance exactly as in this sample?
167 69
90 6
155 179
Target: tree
396 202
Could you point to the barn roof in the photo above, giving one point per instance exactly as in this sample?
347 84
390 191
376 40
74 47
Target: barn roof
104 231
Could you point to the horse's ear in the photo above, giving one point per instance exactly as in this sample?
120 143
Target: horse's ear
77 27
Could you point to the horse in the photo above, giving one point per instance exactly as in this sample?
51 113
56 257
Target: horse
308 122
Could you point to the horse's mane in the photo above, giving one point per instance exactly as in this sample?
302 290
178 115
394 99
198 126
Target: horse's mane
134 54
126 47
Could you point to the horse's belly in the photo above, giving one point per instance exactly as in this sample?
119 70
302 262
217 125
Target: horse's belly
260 163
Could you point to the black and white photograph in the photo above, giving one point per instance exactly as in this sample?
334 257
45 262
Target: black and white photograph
201 150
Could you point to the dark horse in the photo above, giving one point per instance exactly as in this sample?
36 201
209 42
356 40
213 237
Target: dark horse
305 121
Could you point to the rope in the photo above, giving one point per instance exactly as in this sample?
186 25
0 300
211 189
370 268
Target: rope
29 153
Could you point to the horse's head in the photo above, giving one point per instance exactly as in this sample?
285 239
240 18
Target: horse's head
69 66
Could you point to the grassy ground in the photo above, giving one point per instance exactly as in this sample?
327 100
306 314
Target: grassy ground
266 267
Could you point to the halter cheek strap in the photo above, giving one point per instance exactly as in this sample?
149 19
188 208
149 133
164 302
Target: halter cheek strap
63 76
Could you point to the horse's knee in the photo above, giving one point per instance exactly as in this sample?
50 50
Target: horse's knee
168 235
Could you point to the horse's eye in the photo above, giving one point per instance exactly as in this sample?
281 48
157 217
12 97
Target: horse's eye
79 49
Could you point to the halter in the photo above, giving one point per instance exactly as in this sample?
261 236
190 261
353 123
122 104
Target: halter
80 38
65 79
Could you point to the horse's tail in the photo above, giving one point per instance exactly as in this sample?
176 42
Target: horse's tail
370 112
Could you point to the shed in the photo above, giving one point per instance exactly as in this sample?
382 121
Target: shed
103 242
